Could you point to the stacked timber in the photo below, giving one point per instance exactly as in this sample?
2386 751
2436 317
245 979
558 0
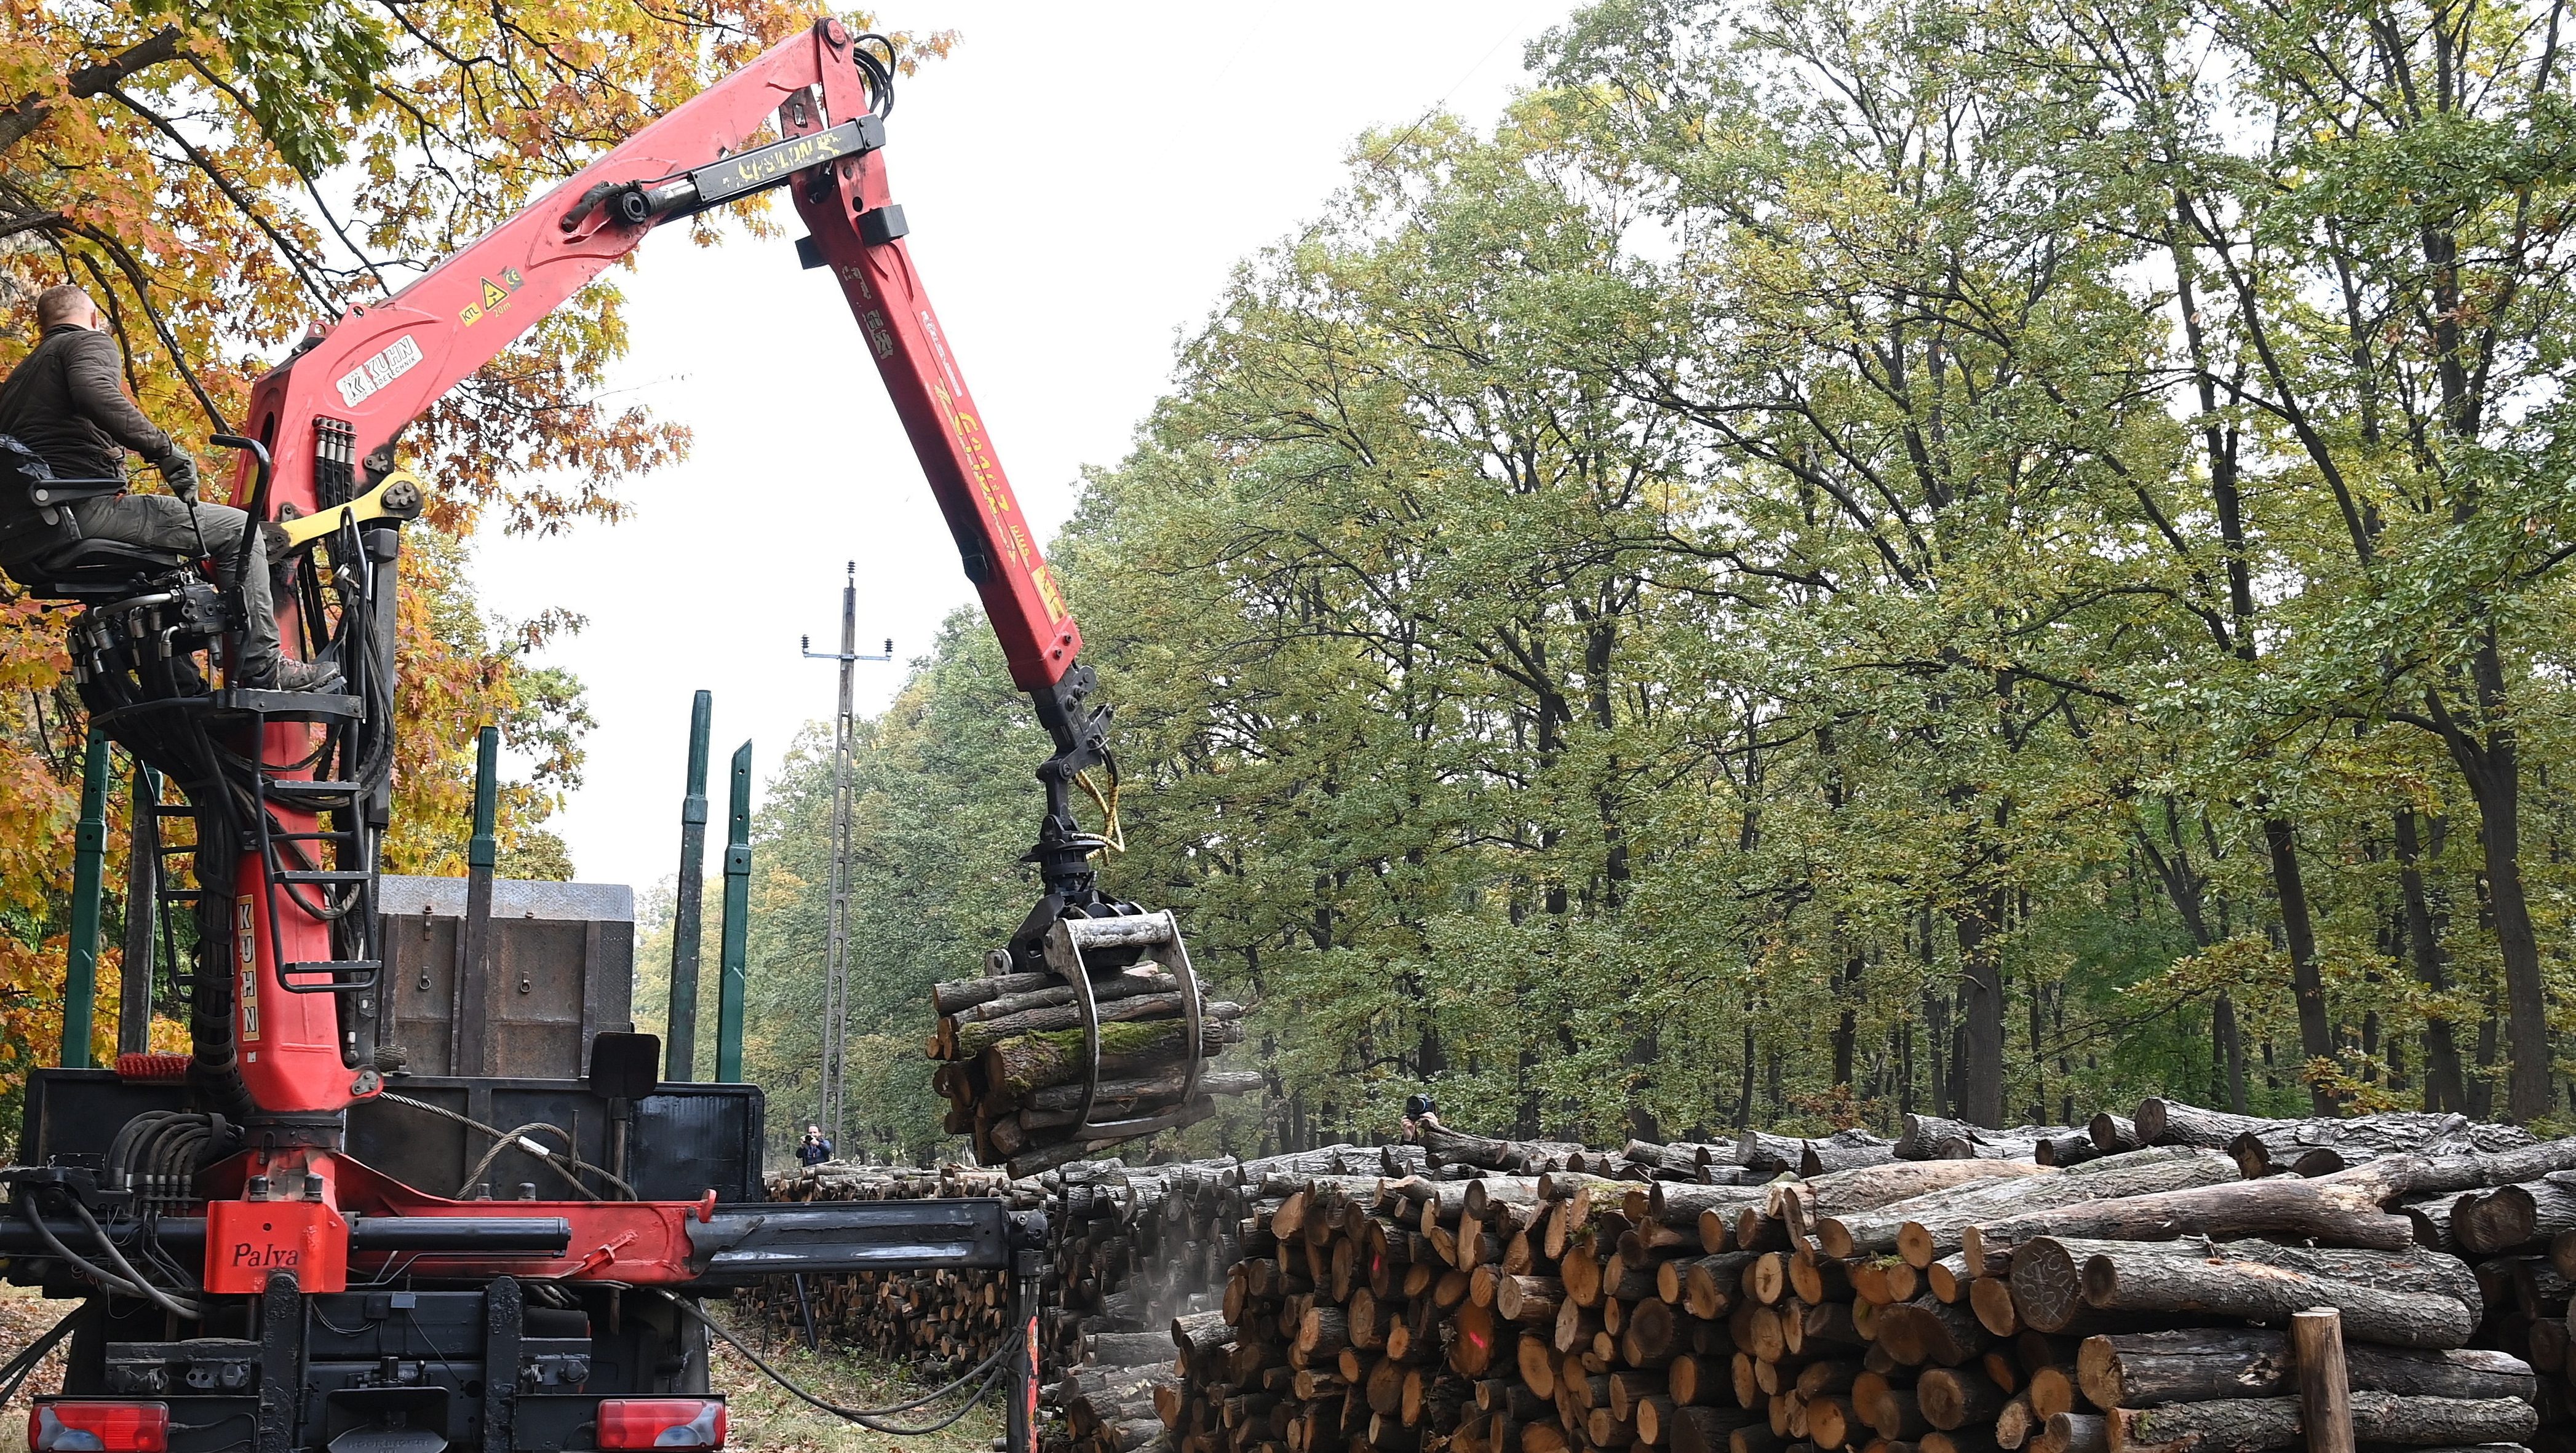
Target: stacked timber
937 1323
1013 1065
1960 1290
1137 1251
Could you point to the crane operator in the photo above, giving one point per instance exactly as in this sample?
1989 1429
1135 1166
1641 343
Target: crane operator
65 402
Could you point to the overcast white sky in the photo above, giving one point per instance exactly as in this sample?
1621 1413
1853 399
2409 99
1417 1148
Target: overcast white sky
1080 180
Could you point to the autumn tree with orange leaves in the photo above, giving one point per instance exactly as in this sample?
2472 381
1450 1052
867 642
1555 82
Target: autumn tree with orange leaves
222 176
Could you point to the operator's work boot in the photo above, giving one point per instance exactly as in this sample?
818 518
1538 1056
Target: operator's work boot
292 675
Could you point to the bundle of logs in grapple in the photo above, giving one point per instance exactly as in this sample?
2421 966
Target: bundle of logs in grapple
938 1323
1014 1063
2125 1288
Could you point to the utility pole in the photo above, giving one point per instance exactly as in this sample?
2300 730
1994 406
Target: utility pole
836 961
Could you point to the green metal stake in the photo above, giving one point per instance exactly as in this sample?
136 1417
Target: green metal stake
680 1064
733 944
89 867
470 1046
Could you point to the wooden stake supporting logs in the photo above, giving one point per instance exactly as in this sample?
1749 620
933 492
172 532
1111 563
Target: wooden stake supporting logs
2325 1391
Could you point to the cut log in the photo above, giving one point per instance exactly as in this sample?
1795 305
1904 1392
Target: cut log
1870 1187
1124 985
1954 1397
2432 1221
2510 1217
1929 1330
2114 1133
2073 1148
2471 1169
2249 1425
1932 1227
2341 1209
955 994
1034 1061
2073 1433
2150 1369
2172 1122
2324 1146
2050 1292
973 1039
2147 1279
1924 1132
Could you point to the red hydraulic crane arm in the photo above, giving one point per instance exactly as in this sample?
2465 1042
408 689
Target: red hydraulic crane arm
330 415
380 367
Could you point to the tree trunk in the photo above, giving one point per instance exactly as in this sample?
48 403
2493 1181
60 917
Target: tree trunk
2445 1088
2493 770
1977 1080
2151 1369
2316 1031
2231 1048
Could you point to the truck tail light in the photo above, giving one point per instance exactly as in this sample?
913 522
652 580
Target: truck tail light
687 1423
75 1427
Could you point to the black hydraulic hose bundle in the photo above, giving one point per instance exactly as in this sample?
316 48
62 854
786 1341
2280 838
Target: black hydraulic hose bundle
991 1370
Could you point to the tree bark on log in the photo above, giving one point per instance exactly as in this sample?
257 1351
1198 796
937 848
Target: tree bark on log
2467 1171
2341 1209
2511 1217
973 1039
1954 1397
953 995
2071 1149
1932 1227
2151 1369
1035 1061
2324 1146
2146 1279
2114 1133
2161 1121
1872 1187
2251 1425
1924 1133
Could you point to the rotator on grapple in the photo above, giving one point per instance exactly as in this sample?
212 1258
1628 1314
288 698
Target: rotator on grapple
249 1279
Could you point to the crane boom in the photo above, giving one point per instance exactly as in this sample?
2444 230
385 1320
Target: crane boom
381 367
329 418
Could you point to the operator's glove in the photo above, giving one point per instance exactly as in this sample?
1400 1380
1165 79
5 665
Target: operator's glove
179 471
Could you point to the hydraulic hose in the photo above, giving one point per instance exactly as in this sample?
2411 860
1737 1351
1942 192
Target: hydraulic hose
990 1369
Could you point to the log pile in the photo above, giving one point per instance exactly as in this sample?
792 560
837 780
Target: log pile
1138 1251
2124 1288
937 1323
1010 1048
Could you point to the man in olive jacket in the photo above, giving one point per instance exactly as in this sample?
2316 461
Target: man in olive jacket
66 401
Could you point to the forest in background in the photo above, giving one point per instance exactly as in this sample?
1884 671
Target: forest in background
1843 557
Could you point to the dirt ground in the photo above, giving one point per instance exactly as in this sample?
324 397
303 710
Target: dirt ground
24 1317
764 1416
